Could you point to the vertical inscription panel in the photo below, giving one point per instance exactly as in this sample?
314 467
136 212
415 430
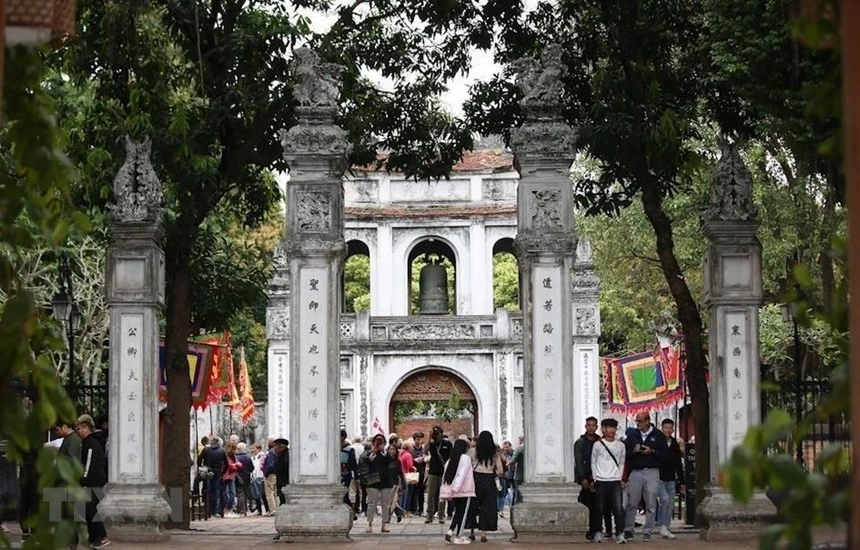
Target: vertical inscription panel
314 371
589 380
131 395
279 394
737 372
547 354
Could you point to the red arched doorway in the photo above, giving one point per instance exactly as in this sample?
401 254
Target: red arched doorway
433 397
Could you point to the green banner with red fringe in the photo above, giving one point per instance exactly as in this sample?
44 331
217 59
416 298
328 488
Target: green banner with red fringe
644 381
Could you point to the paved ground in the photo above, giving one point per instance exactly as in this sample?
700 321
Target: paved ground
254 532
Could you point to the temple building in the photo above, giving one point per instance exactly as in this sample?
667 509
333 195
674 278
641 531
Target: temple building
433 345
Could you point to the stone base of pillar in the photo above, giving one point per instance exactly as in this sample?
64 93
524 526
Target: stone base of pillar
135 513
314 513
549 513
726 519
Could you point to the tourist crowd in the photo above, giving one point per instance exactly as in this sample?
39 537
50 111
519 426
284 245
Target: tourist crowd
467 482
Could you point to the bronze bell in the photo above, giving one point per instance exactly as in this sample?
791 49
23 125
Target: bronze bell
433 290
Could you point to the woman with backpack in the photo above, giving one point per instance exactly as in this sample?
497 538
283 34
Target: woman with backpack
458 485
376 476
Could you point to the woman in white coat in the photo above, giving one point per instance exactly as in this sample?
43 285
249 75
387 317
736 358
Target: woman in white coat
458 484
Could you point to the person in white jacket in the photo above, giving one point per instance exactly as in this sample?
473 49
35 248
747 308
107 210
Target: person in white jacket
607 467
458 484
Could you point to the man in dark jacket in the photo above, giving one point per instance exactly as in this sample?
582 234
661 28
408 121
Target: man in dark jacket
582 471
215 458
282 471
671 475
438 451
646 449
282 467
243 478
95 477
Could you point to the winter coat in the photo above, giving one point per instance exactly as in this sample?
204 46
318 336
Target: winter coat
464 481
94 461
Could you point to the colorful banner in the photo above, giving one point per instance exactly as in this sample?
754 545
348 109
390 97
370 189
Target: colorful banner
222 380
246 406
644 381
200 361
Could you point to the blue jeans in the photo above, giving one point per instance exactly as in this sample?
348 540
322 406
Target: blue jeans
405 493
215 488
665 501
230 494
500 498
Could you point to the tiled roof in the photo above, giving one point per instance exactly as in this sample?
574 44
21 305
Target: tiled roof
426 212
473 161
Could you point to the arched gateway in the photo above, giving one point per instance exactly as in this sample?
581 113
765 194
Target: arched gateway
430 397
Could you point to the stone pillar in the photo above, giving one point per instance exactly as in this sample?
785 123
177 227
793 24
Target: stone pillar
278 335
733 292
134 506
316 151
546 243
586 330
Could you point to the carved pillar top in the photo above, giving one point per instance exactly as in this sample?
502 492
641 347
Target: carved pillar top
585 284
317 151
730 205
136 187
316 146
544 147
544 137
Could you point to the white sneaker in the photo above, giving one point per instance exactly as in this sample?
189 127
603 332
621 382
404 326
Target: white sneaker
462 540
620 539
666 534
598 537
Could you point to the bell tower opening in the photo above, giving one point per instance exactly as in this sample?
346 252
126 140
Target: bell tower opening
356 278
432 274
506 276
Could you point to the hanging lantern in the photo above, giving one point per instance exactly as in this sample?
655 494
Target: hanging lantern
32 22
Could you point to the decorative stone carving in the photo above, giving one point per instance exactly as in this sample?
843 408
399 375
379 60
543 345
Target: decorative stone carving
136 188
431 332
586 321
583 252
731 187
314 211
279 257
503 394
432 385
317 136
542 79
278 323
546 209
362 382
543 138
316 84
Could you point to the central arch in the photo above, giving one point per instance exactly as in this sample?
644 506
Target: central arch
427 391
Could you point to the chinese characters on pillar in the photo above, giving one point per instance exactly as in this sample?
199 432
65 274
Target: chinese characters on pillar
736 357
131 392
547 346
313 371
281 429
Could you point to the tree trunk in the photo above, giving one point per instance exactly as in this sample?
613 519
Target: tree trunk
176 462
825 256
691 325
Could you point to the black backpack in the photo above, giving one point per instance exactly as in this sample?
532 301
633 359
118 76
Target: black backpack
363 466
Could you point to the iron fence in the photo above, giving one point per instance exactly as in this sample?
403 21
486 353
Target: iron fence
92 400
802 399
